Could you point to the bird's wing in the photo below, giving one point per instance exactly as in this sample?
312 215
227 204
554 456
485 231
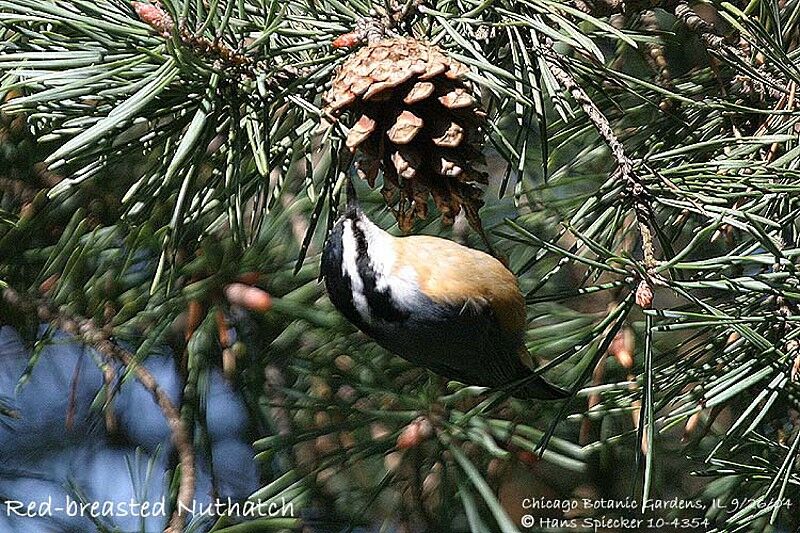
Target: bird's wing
452 274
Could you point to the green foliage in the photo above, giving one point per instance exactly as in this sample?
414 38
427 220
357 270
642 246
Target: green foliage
189 154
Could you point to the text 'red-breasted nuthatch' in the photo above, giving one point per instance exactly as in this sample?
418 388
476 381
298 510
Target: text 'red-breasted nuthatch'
436 303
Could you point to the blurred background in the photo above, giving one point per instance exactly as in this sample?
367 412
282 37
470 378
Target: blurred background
168 174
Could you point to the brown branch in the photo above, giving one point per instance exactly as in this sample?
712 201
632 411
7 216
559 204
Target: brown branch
793 351
225 59
637 191
762 82
180 434
109 375
376 27
92 335
402 13
604 8
705 30
161 21
766 82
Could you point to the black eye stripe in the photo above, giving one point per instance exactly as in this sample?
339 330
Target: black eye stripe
339 287
381 304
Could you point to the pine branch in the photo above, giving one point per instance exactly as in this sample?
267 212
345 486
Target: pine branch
639 195
758 79
223 99
223 56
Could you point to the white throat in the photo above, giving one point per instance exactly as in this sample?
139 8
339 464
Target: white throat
382 258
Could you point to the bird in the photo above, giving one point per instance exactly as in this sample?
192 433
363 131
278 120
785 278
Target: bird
454 310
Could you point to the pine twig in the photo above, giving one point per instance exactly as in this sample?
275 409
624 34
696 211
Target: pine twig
604 8
376 27
637 191
161 21
400 13
224 58
110 391
716 44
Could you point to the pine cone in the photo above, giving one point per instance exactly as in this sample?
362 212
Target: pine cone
417 121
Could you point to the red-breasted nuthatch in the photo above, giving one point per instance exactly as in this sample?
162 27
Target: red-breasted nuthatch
437 304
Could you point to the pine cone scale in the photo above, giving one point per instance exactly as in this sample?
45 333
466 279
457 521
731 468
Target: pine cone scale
405 128
419 92
359 132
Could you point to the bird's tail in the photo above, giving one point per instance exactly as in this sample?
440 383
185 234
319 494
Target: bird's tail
527 385
540 389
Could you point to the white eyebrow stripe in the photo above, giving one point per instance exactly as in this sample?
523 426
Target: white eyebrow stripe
350 269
